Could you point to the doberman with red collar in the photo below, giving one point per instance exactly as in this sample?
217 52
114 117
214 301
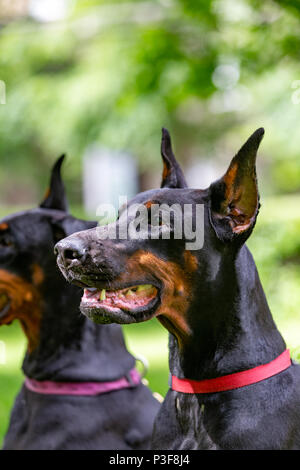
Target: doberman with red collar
81 390
233 383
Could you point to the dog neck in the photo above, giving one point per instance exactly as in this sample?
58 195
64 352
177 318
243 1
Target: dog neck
71 348
232 328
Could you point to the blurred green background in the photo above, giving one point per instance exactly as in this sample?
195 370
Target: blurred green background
77 73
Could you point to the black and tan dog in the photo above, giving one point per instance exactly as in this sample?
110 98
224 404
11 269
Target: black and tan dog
68 357
233 384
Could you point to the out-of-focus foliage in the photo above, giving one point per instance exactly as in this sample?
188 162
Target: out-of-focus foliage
115 72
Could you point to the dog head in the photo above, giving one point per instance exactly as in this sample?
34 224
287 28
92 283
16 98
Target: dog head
129 275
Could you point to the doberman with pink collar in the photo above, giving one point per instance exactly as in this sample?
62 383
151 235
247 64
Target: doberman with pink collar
233 383
81 389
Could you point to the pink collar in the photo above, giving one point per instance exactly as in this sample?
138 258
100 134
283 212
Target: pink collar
83 388
232 381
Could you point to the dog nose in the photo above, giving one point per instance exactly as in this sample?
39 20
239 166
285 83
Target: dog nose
70 251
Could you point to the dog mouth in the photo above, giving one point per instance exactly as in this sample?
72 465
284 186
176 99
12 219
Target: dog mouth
5 305
129 304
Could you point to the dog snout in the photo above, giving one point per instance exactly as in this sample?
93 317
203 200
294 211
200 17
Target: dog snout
70 252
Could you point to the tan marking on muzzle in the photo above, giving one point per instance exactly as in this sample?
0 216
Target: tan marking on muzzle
176 292
25 305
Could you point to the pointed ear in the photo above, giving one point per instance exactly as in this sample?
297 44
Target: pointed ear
172 174
234 199
55 197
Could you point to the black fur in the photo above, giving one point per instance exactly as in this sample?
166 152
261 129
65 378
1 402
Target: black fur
229 327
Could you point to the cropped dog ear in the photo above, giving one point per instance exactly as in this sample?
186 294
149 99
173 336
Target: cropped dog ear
55 197
172 174
234 199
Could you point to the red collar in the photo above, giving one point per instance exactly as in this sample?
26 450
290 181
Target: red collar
47 387
232 381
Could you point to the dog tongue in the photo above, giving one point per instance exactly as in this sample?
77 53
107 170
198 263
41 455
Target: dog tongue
137 296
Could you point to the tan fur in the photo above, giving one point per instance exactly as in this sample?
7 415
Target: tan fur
25 305
176 293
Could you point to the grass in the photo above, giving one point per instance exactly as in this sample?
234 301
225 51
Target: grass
275 245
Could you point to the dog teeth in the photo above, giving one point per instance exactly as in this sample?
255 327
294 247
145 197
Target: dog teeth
138 289
144 287
103 294
125 293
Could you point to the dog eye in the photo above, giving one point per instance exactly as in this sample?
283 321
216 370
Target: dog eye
6 241
58 234
155 219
